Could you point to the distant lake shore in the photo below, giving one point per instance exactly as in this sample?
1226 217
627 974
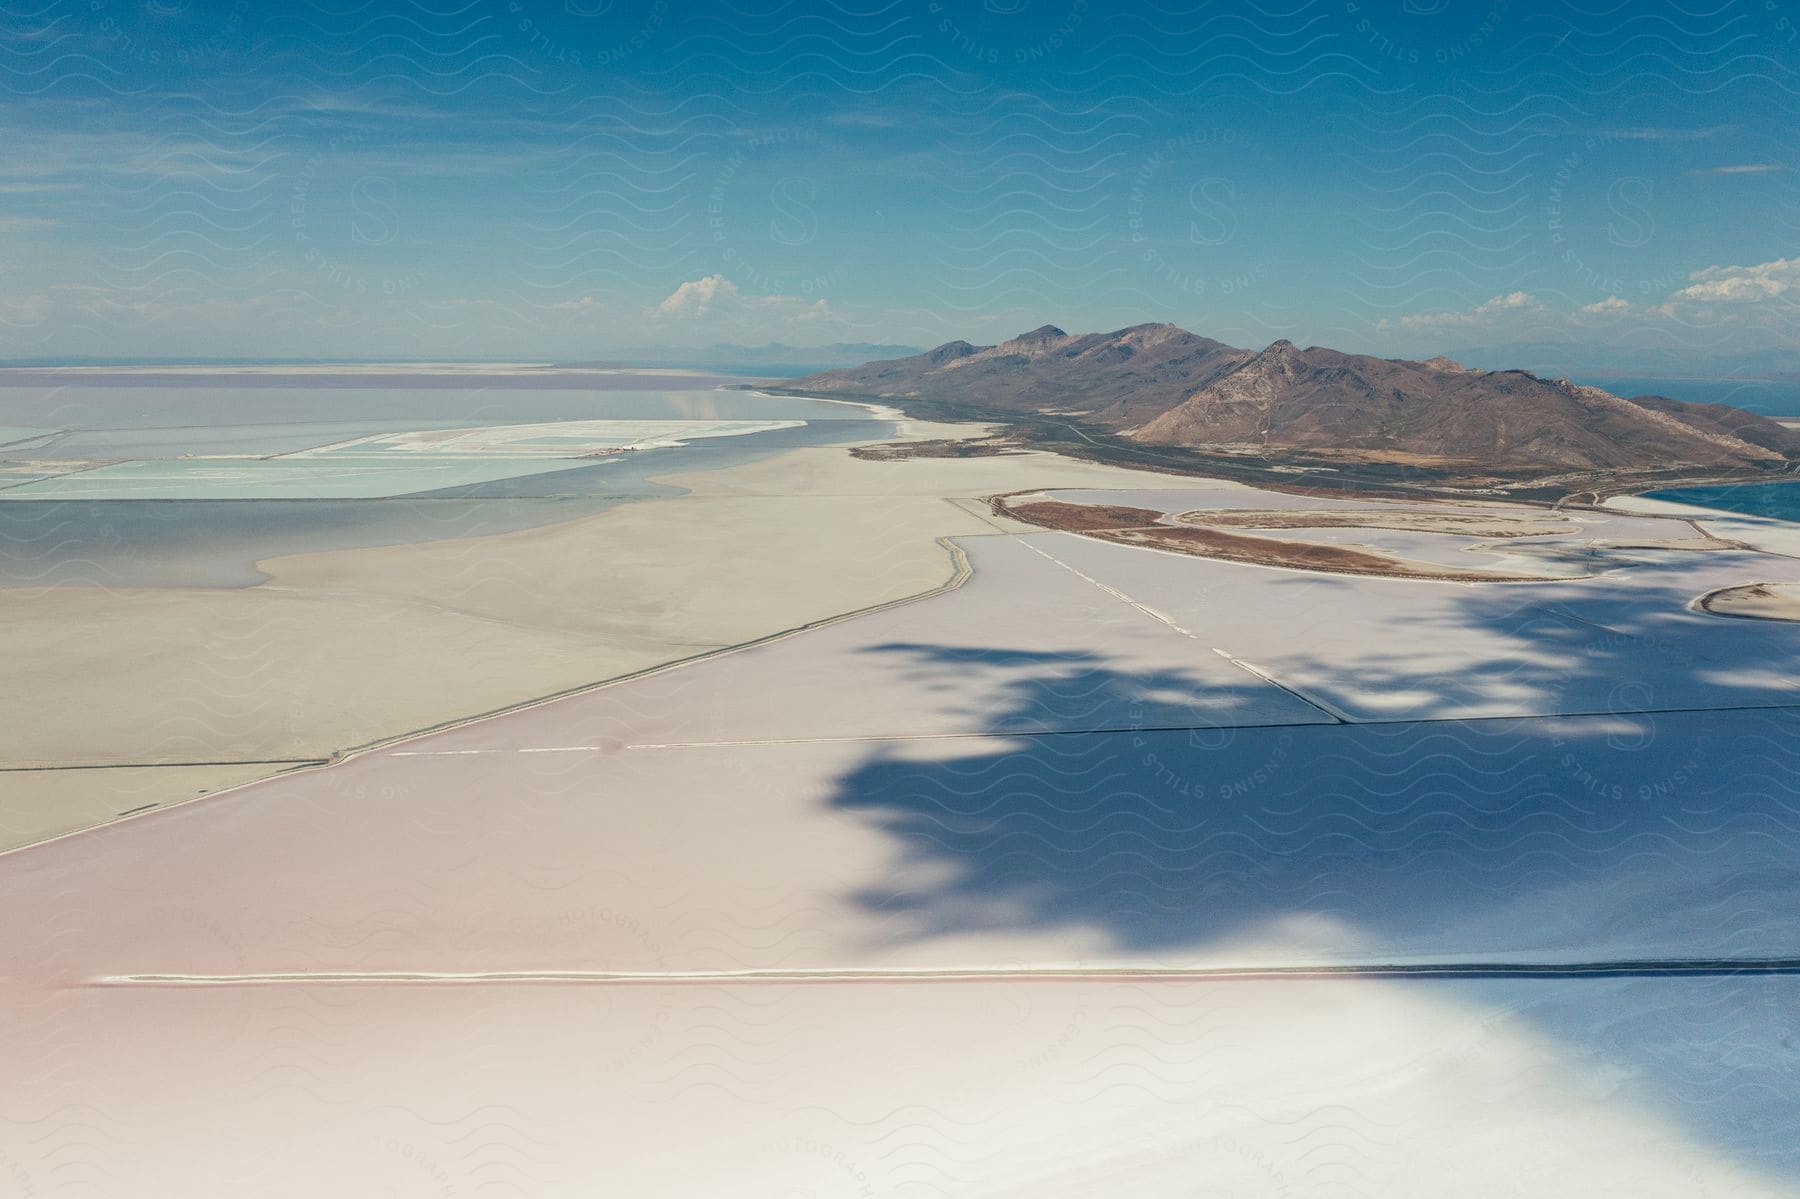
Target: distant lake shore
1765 397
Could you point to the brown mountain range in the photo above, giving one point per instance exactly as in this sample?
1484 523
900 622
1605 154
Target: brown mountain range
1161 385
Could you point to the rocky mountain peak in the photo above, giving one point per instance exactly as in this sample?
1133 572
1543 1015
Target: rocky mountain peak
1160 385
950 351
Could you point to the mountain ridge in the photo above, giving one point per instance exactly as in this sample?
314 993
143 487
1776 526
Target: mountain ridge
1160 385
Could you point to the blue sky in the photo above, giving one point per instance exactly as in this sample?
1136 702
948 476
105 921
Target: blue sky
520 179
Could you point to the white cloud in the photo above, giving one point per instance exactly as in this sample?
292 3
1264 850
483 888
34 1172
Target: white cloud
715 295
1740 284
582 305
866 120
1512 304
1716 289
1654 133
1742 168
697 297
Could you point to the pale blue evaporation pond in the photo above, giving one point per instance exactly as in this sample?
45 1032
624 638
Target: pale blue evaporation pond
216 543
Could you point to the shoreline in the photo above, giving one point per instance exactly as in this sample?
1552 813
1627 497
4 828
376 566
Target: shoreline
1661 493
1767 534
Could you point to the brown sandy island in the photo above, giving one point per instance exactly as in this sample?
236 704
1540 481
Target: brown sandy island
1140 526
1467 524
1754 601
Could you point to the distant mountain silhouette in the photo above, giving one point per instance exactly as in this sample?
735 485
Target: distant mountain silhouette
1161 385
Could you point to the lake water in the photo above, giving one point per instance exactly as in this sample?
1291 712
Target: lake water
1761 396
1779 500
216 542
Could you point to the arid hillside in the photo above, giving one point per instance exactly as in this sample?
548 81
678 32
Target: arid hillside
1163 386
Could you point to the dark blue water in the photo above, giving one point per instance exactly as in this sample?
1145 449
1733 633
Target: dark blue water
1762 396
1780 500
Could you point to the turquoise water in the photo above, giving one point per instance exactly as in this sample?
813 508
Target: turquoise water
1779 500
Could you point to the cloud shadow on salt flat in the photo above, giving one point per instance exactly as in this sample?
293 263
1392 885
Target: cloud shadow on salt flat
1630 831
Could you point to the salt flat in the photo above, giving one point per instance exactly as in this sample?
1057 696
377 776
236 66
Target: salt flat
1023 746
674 928
15 433
343 647
1376 649
35 804
1002 1090
1023 645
